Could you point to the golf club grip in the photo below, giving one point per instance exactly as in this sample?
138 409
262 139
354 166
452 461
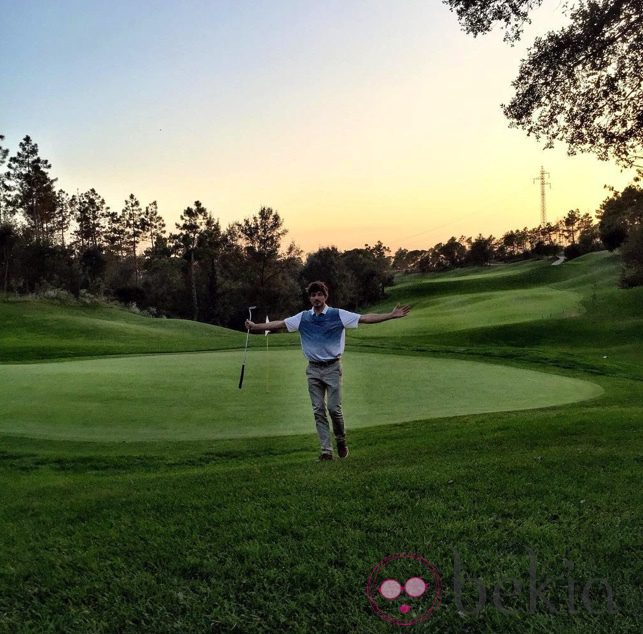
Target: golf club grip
243 369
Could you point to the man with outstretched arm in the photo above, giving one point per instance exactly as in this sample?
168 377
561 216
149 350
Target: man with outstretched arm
322 330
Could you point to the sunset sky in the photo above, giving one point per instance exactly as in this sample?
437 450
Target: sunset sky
357 121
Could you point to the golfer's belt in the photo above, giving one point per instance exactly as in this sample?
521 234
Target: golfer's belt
324 363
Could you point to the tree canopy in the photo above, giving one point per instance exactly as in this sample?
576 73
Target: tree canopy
582 84
619 215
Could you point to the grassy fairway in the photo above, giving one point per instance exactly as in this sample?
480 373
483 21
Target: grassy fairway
43 330
191 396
571 316
252 535
447 313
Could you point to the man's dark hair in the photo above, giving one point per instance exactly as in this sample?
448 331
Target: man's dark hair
313 287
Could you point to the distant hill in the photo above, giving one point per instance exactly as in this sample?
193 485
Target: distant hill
38 329
572 315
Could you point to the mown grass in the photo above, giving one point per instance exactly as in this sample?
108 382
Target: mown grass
569 316
253 535
39 329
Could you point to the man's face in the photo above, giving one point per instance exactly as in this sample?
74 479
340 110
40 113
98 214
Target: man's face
317 299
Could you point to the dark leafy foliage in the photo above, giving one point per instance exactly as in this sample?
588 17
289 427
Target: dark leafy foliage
581 84
618 214
479 16
632 253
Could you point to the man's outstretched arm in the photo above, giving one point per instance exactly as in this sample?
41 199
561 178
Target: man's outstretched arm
375 318
279 324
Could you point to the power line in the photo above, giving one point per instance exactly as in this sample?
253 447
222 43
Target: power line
448 224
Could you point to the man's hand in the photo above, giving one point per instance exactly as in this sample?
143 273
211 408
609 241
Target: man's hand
400 311
249 324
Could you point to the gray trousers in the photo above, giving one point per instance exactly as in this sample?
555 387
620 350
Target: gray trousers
325 389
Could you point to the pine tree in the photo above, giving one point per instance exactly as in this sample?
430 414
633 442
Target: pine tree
114 235
63 216
152 224
90 215
133 223
4 184
193 221
33 192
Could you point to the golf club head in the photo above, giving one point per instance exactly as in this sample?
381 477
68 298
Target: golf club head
250 309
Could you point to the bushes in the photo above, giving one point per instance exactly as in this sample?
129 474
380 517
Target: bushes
130 295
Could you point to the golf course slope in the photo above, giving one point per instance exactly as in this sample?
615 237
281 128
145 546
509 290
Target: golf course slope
570 316
39 329
495 432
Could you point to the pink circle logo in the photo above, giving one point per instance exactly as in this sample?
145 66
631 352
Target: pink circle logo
404 589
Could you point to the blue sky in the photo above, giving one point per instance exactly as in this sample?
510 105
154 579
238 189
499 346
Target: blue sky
356 120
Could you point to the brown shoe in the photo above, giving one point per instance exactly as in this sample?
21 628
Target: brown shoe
326 456
342 448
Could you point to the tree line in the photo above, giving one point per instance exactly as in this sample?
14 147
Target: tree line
617 226
53 242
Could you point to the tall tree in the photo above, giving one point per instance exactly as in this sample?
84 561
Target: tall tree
63 216
152 224
580 84
211 243
4 184
8 240
571 222
585 223
193 221
33 192
90 215
114 234
589 239
261 239
133 223
508 241
547 232
93 264
522 239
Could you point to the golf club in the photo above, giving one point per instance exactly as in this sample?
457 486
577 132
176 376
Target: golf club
267 362
245 354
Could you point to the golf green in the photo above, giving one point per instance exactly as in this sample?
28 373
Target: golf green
196 395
